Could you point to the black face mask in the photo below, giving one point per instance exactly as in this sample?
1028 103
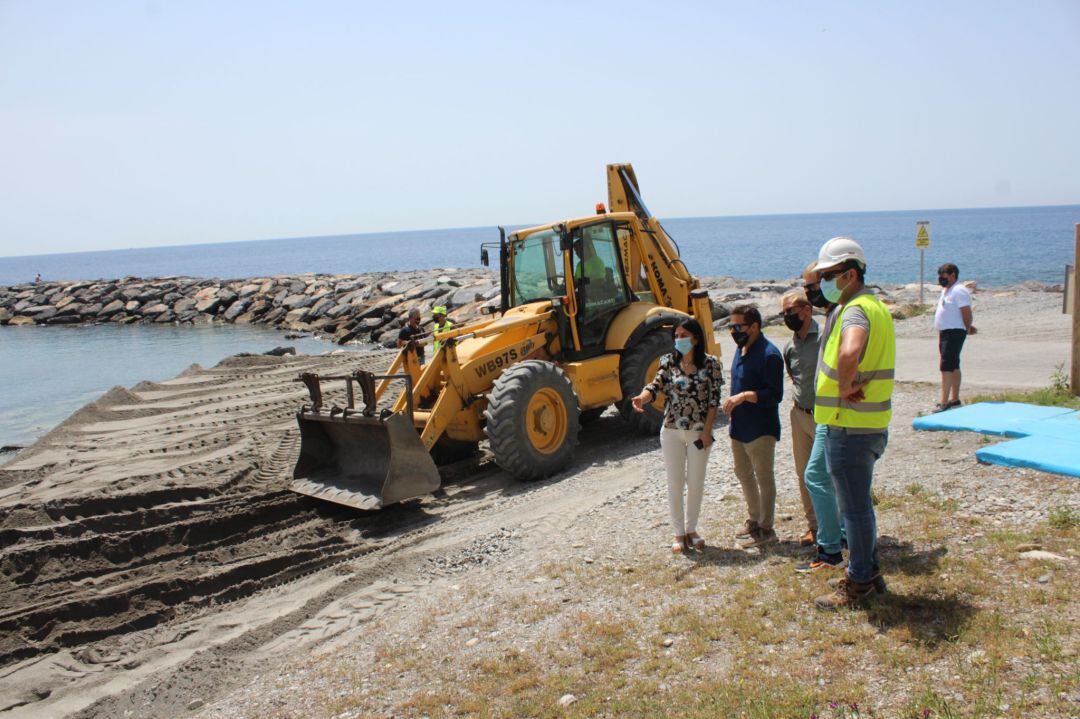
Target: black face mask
741 338
817 299
793 322
943 280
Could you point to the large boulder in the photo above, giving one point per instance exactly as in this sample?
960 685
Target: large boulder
249 290
462 297
295 302
62 320
40 313
236 309
71 309
296 316
185 305
166 316
111 309
5 316
154 310
227 296
338 310
208 306
20 321
206 293
131 306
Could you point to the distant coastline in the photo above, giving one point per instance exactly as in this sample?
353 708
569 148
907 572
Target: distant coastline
990 245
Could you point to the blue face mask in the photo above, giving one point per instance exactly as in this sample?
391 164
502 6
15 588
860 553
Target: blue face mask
684 345
831 292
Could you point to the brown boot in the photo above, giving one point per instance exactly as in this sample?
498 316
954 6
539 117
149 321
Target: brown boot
847 594
809 538
746 529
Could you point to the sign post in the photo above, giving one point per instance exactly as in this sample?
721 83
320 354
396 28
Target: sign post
1075 292
922 242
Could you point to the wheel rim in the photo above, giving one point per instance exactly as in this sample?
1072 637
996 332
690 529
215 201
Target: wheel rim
658 403
546 421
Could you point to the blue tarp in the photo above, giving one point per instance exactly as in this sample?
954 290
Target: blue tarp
1048 437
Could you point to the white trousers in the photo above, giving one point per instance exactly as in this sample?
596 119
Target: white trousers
685 466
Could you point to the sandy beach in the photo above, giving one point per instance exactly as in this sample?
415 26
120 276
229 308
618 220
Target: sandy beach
154 564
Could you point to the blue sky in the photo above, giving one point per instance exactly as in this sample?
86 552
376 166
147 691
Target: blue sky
126 124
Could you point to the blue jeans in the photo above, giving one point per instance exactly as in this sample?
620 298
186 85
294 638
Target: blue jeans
851 458
819 486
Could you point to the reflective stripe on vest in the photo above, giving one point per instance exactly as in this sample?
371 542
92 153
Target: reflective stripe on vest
876 372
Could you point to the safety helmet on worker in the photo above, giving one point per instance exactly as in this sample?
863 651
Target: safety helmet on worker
439 310
837 251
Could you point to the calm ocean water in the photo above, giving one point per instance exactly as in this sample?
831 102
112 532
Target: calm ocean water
994 246
51 371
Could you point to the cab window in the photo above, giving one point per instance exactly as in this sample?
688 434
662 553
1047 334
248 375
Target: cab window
537 269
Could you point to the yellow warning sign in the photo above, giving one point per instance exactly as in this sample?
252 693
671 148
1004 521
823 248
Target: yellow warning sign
922 234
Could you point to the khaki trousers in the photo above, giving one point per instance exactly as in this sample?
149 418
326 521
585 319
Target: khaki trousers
802 441
754 468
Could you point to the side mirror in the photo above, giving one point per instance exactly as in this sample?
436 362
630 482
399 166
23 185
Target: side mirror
484 256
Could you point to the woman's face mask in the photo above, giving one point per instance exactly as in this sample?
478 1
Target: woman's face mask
684 345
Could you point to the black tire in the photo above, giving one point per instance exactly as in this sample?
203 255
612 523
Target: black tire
633 373
507 418
588 416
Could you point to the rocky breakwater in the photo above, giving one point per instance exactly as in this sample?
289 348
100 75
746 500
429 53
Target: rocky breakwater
346 308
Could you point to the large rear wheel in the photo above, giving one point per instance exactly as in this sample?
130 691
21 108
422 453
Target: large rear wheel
532 419
638 367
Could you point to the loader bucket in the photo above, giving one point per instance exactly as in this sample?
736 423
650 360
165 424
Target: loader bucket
360 461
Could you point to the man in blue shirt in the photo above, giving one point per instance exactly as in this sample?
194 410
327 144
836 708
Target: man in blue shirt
757 386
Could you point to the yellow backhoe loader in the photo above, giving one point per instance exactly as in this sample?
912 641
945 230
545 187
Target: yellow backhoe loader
586 311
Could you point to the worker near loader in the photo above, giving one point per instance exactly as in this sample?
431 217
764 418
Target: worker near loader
691 380
818 483
438 317
853 397
800 359
411 332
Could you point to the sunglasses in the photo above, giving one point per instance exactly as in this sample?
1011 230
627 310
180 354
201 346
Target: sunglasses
833 275
811 286
738 328
794 312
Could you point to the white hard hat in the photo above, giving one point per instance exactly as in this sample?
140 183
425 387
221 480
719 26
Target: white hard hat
837 251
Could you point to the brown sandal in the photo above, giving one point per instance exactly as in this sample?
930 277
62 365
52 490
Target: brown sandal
694 541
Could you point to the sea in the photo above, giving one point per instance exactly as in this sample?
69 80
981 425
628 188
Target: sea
51 371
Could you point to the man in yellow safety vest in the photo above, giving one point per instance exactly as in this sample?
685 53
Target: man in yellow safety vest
853 399
441 324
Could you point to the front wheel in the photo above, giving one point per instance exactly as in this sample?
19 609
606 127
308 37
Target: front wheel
532 419
637 369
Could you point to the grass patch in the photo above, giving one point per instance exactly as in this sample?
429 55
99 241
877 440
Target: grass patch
1056 394
1063 517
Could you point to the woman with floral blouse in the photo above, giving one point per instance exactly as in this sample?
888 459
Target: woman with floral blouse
691 381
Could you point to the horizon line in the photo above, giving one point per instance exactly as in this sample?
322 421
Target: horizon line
518 225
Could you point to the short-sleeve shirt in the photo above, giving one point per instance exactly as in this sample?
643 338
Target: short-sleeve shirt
689 396
947 315
801 359
408 333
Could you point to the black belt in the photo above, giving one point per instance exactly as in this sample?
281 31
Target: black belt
804 409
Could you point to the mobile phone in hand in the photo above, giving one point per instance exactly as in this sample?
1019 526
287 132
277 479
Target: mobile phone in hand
699 444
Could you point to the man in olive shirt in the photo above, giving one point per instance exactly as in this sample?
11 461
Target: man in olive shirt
800 358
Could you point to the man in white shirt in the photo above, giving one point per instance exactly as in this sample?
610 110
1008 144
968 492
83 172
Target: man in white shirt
952 320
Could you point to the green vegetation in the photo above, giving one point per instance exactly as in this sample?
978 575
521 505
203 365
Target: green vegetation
1056 394
1063 517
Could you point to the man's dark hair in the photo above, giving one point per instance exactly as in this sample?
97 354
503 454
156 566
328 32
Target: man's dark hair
860 271
749 312
949 269
694 327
